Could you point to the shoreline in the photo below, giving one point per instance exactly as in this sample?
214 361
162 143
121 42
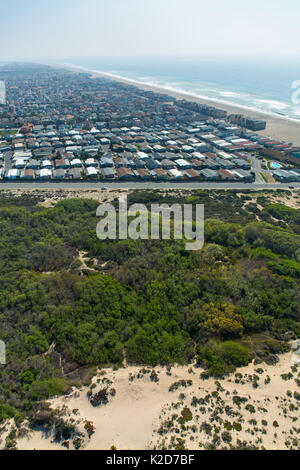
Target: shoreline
280 128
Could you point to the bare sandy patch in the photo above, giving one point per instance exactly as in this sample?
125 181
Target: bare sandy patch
258 406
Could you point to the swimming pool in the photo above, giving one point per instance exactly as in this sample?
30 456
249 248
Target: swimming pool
275 165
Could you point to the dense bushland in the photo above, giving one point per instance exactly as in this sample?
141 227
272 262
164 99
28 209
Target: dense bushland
152 302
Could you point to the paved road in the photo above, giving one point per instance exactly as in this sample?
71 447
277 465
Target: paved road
48 185
257 169
7 161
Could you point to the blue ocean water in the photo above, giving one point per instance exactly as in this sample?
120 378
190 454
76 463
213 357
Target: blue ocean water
257 84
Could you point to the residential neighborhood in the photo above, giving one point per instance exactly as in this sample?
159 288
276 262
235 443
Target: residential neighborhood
65 126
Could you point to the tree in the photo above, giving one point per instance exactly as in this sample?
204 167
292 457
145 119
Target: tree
222 320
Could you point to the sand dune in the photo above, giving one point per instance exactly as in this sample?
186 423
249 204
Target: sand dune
146 415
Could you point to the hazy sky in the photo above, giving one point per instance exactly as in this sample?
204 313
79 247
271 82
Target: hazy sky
66 29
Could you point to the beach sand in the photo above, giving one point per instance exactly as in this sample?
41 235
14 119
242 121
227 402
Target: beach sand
138 417
278 127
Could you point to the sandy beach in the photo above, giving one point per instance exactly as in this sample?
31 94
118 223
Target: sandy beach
165 408
278 127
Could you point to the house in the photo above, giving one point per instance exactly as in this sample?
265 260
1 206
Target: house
91 162
106 162
159 173
105 141
74 149
244 175
45 145
60 173
61 164
226 175
27 174
183 164
91 151
188 149
228 165
241 163
197 164
33 164
142 155
176 174
19 146
284 175
19 163
159 148
120 162
124 173
46 164
199 156
45 173
209 174
130 163
130 148
142 173
212 164
25 155
224 155
167 164
91 172
295 174
109 173
13 174
152 164
191 173
158 156
75 173
42 153
76 163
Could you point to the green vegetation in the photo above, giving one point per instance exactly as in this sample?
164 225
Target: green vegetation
152 302
264 177
222 358
4 132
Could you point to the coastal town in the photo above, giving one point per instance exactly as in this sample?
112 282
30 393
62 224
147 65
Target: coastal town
58 125
150 229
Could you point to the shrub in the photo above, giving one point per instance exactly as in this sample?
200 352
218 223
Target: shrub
226 436
6 412
47 388
223 358
186 414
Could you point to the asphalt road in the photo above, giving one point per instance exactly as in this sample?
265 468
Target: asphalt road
257 169
48 185
7 161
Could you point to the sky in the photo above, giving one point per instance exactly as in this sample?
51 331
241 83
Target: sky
69 29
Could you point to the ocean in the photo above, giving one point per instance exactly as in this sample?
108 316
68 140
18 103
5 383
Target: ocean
252 84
